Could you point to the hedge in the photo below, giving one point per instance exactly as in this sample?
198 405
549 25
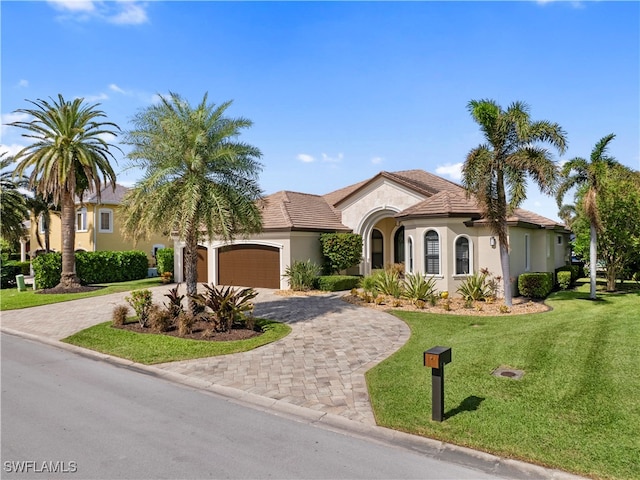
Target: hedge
575 271
9 270
164 260
337 283
535 285
564 279
92 267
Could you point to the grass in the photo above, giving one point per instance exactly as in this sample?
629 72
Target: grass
156 348
12 299
577 407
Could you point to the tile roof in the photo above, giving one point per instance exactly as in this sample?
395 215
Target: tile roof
522 216
443 204
287 210
419 181
107 195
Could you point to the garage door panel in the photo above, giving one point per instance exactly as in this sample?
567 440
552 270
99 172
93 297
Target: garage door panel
249 266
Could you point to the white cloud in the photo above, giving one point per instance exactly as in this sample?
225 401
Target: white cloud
73 5
12 117
376 160
303 157
453 171
328 159
11 149
116 88
23 83
131 13
120 12
94 98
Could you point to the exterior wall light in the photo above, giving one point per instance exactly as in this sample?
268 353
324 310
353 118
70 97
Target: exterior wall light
492 242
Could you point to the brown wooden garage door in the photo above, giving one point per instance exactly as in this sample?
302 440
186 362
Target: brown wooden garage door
202 268
249 266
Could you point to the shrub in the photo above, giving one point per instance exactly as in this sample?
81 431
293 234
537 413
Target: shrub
174 306
369 284
417 287
574 271
140 301
340 251
47 269
227 304
388 283
564 280
120 314
479 286
185 324
535 285
109 266
164 260
302 275
9 270
338 283
160 320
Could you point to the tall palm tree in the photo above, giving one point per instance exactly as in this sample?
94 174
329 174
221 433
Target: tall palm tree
199 180
68 157
578 172
496 172
13 210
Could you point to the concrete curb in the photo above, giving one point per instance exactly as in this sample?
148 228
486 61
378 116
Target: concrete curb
485 462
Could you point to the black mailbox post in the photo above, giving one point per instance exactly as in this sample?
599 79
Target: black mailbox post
436 358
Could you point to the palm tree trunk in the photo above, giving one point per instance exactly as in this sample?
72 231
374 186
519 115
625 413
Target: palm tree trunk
191 270
593 242
506 274
68 278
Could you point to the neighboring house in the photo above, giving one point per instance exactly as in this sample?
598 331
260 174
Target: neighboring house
97 227
410 217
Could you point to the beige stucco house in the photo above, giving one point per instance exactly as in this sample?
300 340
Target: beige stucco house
98 227
411 217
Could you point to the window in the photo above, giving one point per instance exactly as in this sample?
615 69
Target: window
42 227
463 266
81 220
559 239
377 249
432 253
105 220
398 246
527 253
410 259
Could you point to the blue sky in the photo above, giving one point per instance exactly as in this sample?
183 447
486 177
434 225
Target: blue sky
338 91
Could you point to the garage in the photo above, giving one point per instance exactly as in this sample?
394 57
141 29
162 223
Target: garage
249 266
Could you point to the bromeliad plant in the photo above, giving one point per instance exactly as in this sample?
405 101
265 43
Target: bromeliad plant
229 306
174 305
417 287
479 286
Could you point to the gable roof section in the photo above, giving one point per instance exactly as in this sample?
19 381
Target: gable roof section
528 219
443 204
287 210
107 196
421 182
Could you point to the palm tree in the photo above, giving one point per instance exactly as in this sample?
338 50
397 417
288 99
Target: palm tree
68 157
13 211
496 172
580 173
199 180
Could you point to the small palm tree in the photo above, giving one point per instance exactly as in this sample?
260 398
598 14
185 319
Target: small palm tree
41 210
496 172
580 173
13 210
68 157
199 180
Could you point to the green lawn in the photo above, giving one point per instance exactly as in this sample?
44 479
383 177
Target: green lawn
577 407
150 348
12 299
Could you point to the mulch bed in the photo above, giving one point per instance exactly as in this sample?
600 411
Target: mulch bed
201 331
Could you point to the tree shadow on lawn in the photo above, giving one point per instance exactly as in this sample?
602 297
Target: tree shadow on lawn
469 404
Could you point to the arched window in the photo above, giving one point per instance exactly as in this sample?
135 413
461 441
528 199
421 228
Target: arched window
463 266
410 256
398 246
432 253
377 249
